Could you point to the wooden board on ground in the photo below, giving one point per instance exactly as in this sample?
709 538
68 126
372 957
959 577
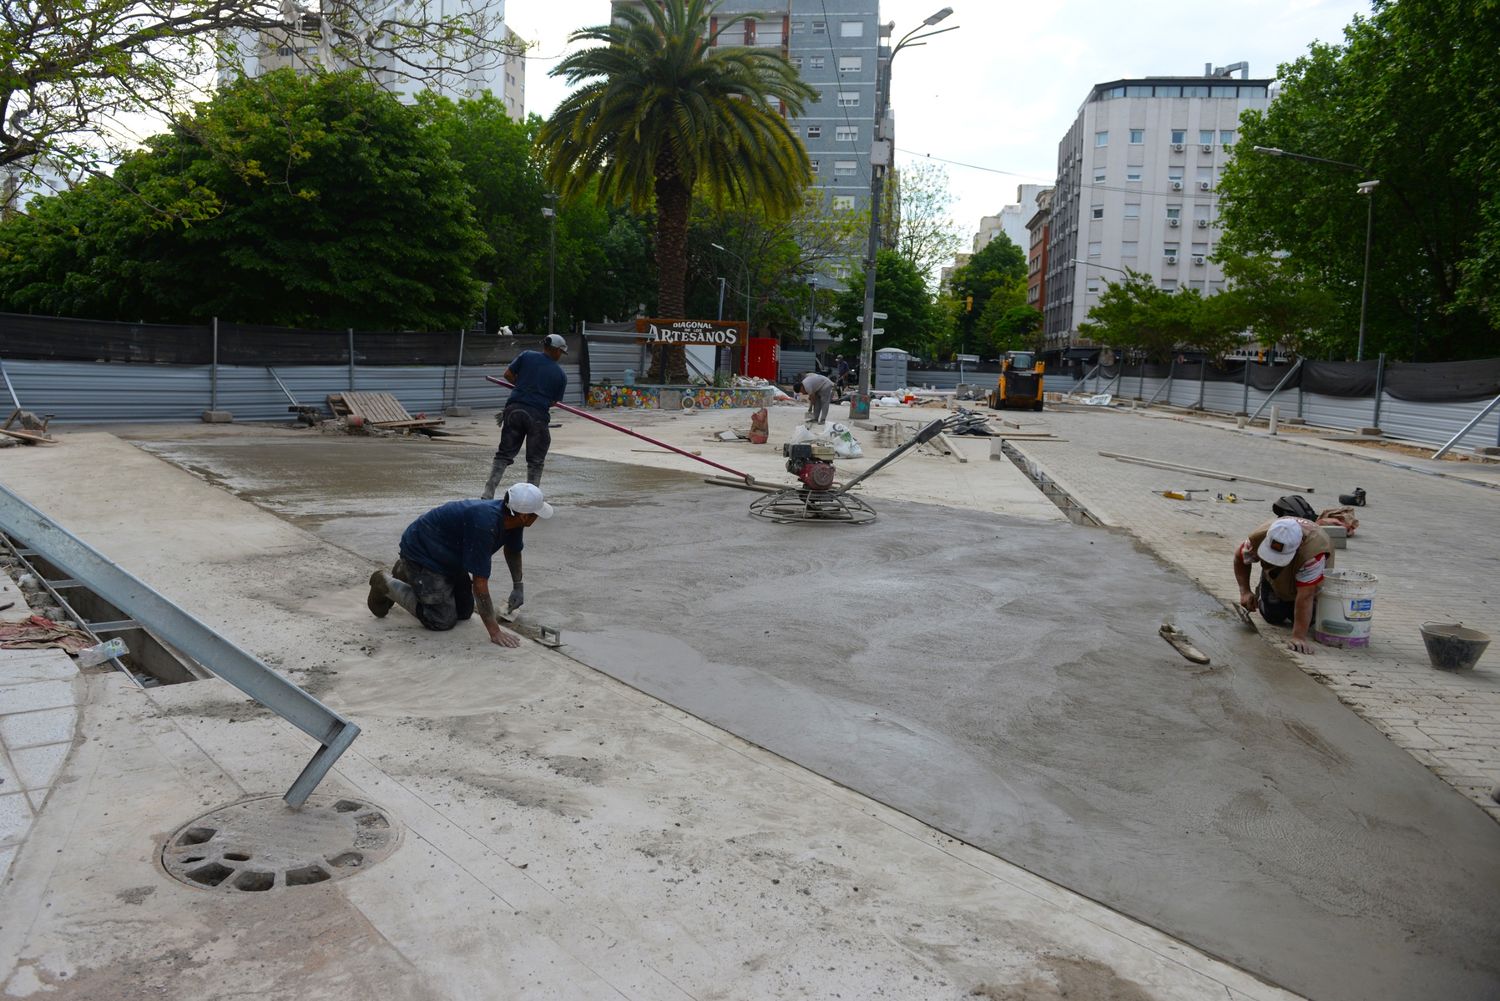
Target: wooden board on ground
380 409
29 437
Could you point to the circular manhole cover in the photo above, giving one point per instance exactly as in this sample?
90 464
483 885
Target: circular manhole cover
263 844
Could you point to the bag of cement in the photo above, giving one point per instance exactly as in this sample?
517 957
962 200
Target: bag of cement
801 434
845 445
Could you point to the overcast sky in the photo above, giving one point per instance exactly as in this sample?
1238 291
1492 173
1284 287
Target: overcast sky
999 93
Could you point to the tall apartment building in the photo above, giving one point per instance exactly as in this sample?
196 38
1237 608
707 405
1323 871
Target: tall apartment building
1011 220
1136 189
302 45
1038 232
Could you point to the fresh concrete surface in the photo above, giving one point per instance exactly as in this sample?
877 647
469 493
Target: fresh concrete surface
39 694
565 836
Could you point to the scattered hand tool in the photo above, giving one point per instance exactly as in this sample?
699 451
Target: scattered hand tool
1244 614
1180 643
8 604
1184 493
1236 498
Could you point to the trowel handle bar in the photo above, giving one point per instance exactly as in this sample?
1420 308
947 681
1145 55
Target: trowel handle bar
634 434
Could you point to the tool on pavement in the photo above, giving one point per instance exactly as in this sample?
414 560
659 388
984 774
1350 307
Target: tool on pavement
1237 499
1180 643
1244 614
1184 493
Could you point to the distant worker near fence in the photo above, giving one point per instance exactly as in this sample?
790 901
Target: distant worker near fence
442 575
1293 553
540 382
819 390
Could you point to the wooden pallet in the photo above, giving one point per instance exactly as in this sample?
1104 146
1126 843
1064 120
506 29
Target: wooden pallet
379 409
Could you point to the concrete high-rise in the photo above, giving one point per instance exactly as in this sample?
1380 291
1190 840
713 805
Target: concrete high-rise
1137 179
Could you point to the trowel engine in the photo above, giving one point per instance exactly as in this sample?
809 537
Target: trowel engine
811 464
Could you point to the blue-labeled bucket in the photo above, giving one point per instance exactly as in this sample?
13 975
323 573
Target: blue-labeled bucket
1346 604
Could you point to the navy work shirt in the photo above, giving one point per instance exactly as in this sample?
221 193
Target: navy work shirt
460 537
540 381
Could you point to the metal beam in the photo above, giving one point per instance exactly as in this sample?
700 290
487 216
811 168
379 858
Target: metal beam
59 547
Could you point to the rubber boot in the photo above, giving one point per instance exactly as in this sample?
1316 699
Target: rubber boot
497 471
534 475
379 602
399 592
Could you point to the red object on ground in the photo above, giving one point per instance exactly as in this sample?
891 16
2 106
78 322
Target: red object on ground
634 434
762 357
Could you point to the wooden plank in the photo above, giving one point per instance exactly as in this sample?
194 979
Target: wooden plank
952 448
1211 473
29 438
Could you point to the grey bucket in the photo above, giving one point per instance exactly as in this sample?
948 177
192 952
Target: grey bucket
1451 646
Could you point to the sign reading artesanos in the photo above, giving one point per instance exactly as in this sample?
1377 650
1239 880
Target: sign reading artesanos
720 332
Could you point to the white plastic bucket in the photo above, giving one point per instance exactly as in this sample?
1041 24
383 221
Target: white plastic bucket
1346 601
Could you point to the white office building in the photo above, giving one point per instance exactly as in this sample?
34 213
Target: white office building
1011 220
1137 179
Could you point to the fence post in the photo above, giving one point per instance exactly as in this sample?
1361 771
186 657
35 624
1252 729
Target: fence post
1284 379
458 375
1245 403
1171 378
1140 389
1467 428
1299 401
1202 381
351 359
1166 385
213 415
1379 388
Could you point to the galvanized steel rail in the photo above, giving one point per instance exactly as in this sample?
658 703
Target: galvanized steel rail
334 733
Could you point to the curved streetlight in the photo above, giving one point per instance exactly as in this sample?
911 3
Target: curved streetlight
1366 188
881 154
746 265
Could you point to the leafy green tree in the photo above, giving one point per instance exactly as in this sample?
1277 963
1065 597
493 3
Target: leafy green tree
927 235
660 107
1138 315
991 284
72 71
1278 303
313 202
901 293
1409 98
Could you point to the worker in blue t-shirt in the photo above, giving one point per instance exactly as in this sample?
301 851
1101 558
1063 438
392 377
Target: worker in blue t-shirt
540 382
443 573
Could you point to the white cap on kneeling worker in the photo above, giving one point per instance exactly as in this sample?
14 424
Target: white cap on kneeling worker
1281 542
556 341
526 498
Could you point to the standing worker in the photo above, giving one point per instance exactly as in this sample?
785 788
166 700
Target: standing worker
540 382
819 390
1293 552
443 574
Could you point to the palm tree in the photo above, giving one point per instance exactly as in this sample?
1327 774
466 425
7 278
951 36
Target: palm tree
662 107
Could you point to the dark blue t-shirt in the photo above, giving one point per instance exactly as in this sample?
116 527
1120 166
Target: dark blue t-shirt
460 537
540 381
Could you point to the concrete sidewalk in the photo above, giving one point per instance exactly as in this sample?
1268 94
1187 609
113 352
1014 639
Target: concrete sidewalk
564 835
1428 534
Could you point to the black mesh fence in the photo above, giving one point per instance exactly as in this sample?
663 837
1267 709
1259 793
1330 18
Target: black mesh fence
46 338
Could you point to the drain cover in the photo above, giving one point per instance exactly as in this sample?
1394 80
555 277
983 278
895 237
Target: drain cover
263 844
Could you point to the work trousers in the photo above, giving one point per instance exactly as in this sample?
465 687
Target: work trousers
817 405
518 424
1275 609
442 601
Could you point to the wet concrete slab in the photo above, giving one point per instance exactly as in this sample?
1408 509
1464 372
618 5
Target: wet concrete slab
997 678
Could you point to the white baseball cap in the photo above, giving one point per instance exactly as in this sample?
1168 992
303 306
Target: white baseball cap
526 498
1281 542
556 341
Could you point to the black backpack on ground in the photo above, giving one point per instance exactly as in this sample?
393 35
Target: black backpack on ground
1293 506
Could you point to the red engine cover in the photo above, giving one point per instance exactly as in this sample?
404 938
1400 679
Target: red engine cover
816 475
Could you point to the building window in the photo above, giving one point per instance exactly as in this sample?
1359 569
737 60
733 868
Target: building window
848 99
1174 211
1169 284
798 27
1101 138
1170 249
1095 249
846 133
1093 286
815 132
1096 212
851 64
1133 176
284 50
1206 136
843 202
1132 210
1179 135
851 29
820 27
814 165
1174 174
796 62
814 62
843 168
1226 137
1099 175
1137 136
1130 248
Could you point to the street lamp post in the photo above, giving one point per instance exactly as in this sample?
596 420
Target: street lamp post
881 155
1366 188
746 265
550 214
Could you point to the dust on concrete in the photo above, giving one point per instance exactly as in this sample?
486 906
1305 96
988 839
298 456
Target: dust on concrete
1066 978
136 894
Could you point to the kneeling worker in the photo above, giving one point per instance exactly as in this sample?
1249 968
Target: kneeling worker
446 547
1293 552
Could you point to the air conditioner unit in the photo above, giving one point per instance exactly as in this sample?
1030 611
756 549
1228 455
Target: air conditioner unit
1171 258
1204 185
1208 147
1174 223
1199 258
1176 185
1178 147
1203 224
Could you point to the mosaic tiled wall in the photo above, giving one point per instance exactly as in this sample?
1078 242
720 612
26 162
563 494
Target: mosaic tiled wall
703 397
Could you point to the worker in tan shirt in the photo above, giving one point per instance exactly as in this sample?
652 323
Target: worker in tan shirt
1293 553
